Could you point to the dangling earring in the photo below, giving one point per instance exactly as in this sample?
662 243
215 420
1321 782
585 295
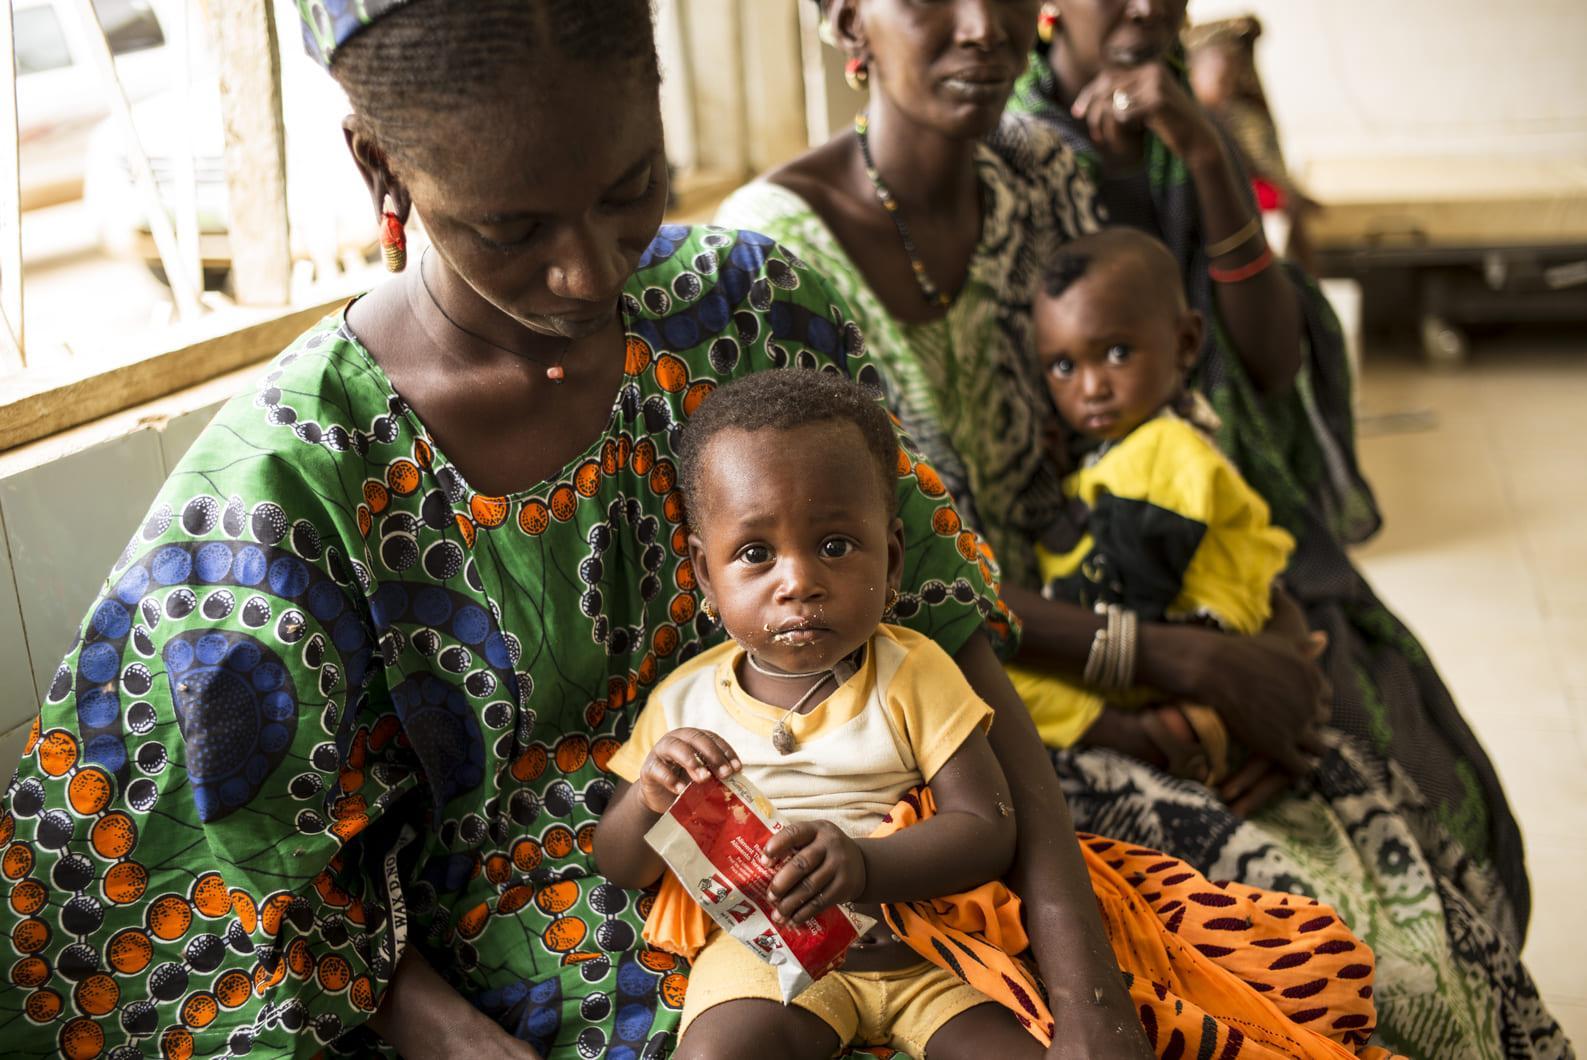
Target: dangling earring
889 610
710 613
393 238
1047 23
856 72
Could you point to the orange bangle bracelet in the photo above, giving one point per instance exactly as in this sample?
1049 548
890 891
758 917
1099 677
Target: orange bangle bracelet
1244 272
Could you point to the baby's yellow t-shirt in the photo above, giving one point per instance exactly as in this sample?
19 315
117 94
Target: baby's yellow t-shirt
887 729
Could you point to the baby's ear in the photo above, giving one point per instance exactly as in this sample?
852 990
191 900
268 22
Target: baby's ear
895 552
702 569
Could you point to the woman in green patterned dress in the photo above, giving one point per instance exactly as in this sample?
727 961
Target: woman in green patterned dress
329 749
935 217
1112 83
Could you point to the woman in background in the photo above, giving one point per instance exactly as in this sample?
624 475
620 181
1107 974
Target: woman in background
1110 79
1222 63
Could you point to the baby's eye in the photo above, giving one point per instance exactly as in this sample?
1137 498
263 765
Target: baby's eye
755 555
836 547
1063 368
1118 353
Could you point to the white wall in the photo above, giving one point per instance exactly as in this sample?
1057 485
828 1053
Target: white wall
1352 79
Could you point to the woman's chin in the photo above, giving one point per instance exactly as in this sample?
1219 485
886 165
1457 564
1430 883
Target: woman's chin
970 119
571 328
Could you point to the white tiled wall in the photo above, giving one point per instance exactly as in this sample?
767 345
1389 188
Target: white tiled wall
62 525
1428 78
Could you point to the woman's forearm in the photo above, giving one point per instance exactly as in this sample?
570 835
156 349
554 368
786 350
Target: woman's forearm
1261 314
1057 634
1071 948
422 1016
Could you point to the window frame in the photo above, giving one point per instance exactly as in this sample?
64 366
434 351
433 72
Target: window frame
758 46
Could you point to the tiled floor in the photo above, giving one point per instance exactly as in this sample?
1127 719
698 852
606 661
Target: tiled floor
1484 555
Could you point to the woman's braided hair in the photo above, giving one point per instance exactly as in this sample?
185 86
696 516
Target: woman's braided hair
433 56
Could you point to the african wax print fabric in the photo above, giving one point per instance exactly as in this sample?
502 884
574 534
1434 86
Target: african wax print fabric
1358 836
334 703
329 24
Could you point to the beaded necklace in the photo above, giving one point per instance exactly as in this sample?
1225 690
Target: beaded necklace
930 290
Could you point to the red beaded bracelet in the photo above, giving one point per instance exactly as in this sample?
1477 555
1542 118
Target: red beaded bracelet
1244 272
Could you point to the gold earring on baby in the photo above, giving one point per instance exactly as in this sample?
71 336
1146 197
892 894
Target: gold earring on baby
709 612
890 609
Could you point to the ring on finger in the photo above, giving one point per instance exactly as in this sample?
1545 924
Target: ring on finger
1122 101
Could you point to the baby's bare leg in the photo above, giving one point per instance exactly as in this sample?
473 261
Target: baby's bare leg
982 1031
762 1029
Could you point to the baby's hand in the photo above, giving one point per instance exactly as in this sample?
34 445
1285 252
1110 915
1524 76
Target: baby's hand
823 867
682 756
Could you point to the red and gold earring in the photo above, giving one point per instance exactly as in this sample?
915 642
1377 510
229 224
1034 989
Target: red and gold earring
1047 23
393 238
856 72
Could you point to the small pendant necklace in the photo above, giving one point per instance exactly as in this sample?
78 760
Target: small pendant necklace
554 370
933 294
782 737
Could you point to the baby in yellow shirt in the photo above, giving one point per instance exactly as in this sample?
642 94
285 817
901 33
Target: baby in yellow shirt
792 484
1159 521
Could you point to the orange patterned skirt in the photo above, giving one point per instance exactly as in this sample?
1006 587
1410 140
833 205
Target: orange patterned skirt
1222 971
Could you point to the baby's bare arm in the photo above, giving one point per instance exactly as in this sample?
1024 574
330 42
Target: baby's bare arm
681 756
968 842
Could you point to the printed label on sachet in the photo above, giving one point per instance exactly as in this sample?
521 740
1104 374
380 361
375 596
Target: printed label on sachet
712 839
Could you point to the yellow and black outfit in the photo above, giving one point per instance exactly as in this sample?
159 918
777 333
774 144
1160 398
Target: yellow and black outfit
1162 524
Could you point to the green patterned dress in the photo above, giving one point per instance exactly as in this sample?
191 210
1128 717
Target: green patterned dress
333 703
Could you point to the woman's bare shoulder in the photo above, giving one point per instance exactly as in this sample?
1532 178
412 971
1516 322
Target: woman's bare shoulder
819 177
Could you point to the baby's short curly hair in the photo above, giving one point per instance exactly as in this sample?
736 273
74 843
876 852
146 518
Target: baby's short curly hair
785 399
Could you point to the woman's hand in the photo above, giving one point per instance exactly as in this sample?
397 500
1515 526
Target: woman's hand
822 867
1251 786
1067 939
680 757
1120 100
1176 741
1267 688
1158 736
422 1017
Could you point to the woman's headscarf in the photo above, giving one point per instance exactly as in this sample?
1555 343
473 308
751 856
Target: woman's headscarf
329 24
